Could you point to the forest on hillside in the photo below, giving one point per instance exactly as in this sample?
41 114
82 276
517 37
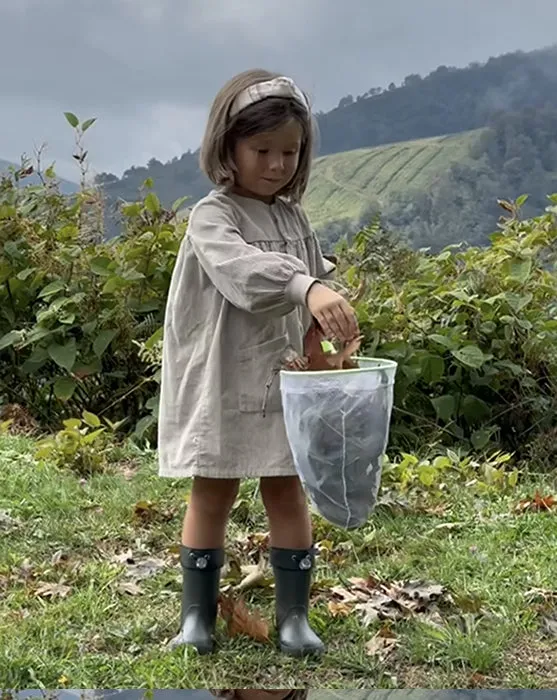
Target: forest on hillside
516 155
448 100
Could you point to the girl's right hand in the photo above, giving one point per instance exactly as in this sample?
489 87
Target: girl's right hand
333 313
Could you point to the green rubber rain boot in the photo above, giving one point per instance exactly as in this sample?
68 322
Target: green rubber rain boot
200 593
293 573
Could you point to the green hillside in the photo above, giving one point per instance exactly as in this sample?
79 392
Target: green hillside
349 182
440 190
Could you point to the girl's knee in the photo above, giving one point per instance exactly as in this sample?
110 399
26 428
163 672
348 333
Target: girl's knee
286 491
214 495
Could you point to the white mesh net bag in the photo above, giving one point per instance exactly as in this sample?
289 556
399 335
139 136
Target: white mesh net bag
337 424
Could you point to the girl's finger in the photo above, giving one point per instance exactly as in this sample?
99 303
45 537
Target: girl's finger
324 323
335 323
346 318
342 322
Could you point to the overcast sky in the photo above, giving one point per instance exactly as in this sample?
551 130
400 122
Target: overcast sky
148 69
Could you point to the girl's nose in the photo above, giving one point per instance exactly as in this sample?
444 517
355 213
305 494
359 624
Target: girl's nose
277 162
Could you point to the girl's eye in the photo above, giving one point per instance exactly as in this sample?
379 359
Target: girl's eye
263 151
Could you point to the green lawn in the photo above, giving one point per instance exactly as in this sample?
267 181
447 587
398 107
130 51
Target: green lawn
90 586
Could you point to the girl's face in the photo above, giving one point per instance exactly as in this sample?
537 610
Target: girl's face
257 694
265 163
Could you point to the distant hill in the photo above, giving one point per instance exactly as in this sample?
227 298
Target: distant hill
353 182
442 190
448 100
66 187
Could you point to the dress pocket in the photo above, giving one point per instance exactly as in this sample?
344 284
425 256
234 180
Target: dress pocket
257 368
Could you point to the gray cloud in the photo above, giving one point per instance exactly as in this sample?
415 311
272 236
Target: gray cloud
148 69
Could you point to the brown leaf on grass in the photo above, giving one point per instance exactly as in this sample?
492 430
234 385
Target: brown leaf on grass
338 609
543 594
550 626
52 590
25 571
128 468
130 587
477 680
243 577
145 568
376 600
20 420
240 621
253 546
382 644
123 558
536 504
59 558
136 568
148 512
255 576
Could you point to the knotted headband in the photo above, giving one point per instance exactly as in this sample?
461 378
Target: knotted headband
276 87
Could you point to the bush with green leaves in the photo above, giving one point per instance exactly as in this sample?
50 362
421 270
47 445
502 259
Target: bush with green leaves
74 307
474 331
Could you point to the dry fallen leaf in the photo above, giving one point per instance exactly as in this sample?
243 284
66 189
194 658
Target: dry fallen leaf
338 609
536 504
130 587
550 626
52 590
148 512
144 569
382 644
381 601
59 557
123 558
255 576
240 621
544 594
477 680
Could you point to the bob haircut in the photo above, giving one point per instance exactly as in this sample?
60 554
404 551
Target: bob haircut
231 694
223 132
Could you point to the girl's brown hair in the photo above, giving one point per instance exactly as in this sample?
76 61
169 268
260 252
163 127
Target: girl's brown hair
222 132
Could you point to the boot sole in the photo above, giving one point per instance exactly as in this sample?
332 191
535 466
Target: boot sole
202 650
304 651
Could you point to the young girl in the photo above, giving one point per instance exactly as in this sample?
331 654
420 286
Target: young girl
245 286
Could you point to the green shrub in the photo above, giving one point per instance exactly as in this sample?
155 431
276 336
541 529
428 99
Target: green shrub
73 307
474 331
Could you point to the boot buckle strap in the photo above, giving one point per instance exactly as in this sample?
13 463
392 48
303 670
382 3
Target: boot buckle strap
201 561
304 563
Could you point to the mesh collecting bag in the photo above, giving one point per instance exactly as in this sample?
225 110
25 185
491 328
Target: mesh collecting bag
337 423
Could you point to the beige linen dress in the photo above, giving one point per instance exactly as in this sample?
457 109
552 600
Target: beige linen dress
236 301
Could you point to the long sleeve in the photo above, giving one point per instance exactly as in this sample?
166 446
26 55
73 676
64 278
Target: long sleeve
249 278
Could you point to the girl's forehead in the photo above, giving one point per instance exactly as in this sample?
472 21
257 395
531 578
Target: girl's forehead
289 131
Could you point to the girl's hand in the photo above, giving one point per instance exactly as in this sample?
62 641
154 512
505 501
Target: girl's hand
333 313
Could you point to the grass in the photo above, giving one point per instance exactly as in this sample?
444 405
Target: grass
71 618
350 180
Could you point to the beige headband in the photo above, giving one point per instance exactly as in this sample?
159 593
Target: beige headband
277 87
